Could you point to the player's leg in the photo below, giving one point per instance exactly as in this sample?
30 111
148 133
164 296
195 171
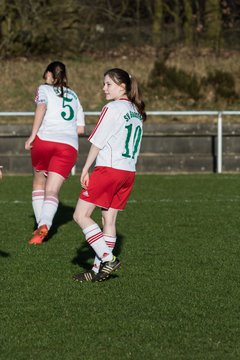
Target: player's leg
106 267
101 189
93 235
53 185
91 230
39 164
109 217
38 193
49 208
123 181
62 159
82 216
57 160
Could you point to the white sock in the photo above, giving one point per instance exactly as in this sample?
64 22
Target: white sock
110 241
94 237
37 203
49 210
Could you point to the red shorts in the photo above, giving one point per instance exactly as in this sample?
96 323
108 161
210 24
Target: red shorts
49 156
108 187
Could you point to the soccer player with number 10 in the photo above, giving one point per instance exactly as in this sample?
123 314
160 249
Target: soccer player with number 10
115 144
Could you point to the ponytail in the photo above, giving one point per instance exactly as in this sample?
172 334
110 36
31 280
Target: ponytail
134 96
58 70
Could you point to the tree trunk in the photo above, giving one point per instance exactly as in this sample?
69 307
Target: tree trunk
188 28
213 24
157 21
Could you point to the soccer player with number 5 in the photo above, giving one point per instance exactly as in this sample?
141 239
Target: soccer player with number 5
58 120
115 143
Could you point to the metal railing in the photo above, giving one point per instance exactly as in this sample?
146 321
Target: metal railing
218 114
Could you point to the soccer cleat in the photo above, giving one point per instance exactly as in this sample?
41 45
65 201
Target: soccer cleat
85 276
107 268
39 235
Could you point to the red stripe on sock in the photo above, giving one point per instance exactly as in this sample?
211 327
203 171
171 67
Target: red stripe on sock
52 199
38 193
110 244
94 238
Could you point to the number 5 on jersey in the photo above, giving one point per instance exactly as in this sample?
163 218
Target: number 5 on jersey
70 109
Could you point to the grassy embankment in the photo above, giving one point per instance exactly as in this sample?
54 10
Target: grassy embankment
20 77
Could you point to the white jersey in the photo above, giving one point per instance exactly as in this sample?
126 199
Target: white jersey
118 134
62 116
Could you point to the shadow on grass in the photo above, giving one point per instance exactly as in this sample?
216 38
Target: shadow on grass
64 215
4 254
85 254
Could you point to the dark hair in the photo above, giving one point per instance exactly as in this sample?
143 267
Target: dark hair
58 70
120 76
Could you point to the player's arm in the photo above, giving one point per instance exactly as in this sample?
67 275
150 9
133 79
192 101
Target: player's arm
38 118
80 119
93 153
80 130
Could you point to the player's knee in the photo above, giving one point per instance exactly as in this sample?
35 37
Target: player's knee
78 218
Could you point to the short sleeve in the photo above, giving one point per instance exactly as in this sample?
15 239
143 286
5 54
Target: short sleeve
106 126
41 96
80 115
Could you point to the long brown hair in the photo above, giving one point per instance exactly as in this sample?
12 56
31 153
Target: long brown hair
120 76
58 70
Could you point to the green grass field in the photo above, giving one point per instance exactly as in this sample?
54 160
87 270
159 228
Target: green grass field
175 297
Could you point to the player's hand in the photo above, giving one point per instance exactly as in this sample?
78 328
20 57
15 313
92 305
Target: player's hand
29 142
84 179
